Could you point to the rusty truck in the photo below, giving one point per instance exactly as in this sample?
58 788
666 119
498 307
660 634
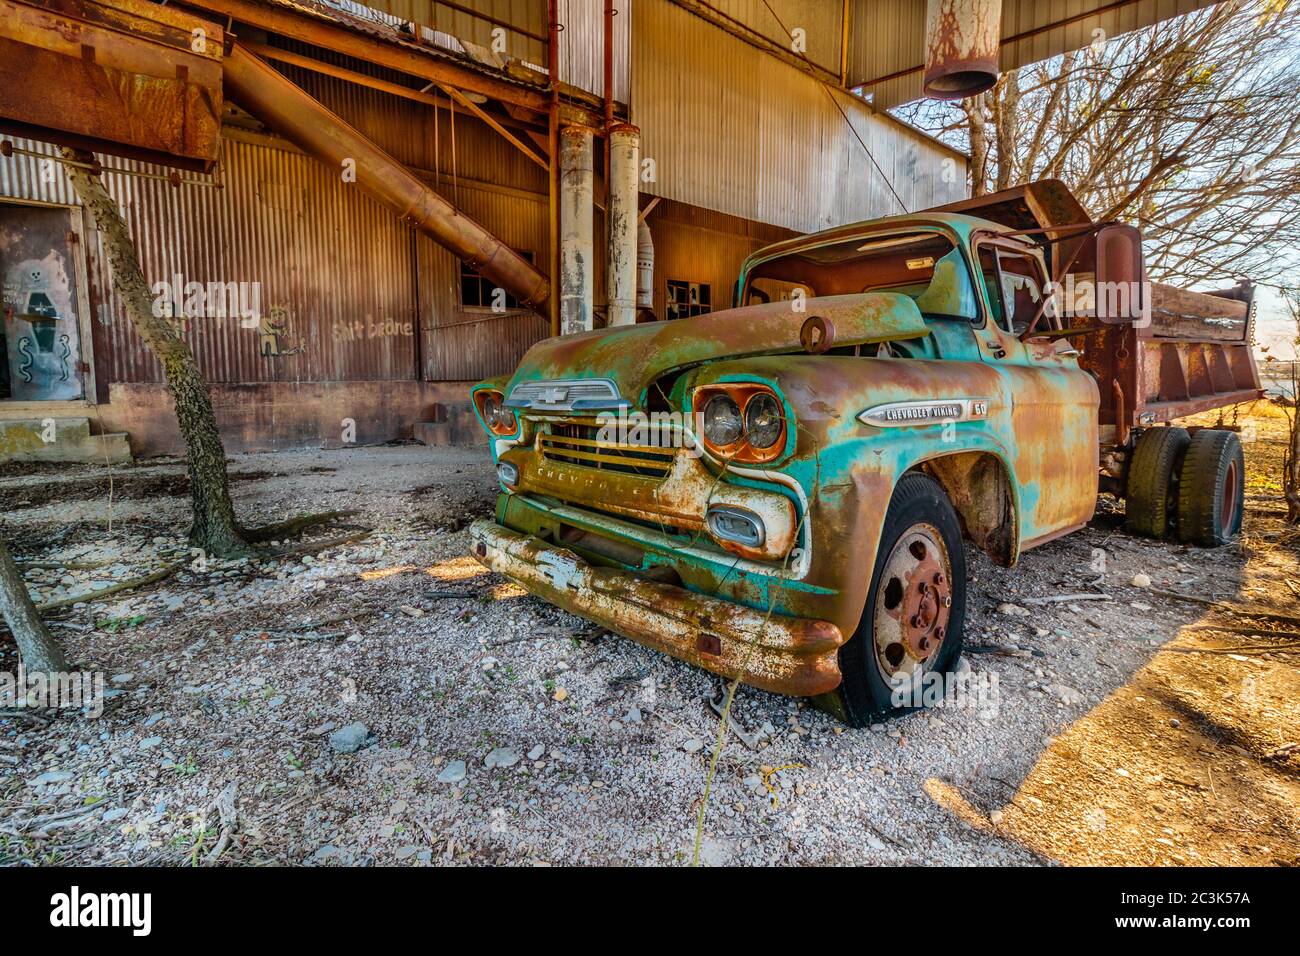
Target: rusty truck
781 492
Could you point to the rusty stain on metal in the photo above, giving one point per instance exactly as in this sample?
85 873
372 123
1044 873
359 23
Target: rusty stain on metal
962 45
130 78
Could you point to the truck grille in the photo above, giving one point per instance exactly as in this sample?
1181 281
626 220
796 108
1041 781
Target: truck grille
578 445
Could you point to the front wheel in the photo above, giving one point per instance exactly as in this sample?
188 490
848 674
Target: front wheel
916 606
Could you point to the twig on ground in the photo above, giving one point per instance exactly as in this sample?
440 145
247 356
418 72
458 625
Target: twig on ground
313 546
127 585
1062 598
293 526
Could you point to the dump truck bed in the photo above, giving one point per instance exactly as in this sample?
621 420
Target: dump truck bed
1195 354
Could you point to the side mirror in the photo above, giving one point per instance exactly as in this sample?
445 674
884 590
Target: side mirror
1121 295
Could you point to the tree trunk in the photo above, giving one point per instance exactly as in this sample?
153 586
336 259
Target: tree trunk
1006 127
979 144
214 528
41 654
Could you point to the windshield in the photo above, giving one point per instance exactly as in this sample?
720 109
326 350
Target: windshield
925 266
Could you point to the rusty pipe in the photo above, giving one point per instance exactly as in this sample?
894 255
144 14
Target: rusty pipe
961 47
288 110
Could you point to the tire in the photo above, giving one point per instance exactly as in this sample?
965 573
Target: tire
1211 487
1151 491
919 514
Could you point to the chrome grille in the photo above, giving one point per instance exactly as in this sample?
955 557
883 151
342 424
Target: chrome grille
563 395
578 445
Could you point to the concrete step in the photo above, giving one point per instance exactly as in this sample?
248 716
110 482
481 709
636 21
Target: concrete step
60 439
454 424
437 434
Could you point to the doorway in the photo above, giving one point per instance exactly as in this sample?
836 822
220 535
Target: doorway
41 338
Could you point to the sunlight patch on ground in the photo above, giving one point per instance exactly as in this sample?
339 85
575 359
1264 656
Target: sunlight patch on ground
378 573
456 569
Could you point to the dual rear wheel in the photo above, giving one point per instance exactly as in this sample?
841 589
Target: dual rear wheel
1186 486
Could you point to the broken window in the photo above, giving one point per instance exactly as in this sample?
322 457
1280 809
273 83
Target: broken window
476 292
687 299
1013 285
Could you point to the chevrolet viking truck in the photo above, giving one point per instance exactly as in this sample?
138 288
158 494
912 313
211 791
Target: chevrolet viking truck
781 492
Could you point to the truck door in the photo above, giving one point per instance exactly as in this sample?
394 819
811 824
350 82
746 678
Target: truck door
1054 402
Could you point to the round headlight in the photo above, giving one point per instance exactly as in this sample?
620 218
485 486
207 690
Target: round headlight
492 410
762 421
722 422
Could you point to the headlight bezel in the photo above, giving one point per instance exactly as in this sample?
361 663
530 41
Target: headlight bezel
496 418
741 450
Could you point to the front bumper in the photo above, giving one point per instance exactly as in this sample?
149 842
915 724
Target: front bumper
786 655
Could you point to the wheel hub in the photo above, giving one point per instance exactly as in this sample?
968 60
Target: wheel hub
926 607
913 602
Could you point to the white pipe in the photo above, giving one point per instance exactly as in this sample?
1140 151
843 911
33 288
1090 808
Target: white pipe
621 262
577 235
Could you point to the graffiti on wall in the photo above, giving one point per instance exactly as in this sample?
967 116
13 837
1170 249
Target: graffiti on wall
42 343
272 332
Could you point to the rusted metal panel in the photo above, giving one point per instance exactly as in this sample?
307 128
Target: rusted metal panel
770 145
321 258
304 121
119 76
463 343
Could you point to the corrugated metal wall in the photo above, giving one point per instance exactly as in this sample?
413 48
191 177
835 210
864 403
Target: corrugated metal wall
582 39
888 36
820 21
337 263
582 46
764 115
464 343
696 245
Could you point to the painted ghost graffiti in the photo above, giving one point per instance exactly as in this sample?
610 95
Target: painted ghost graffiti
42 341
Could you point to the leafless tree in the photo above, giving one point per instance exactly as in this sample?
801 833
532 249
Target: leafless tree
40 651
1189 129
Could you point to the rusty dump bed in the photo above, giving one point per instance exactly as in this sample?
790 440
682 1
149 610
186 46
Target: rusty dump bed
1195 353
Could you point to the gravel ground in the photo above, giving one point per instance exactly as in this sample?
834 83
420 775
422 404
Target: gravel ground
496 729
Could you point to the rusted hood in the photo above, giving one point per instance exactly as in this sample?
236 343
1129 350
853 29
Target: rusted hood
634 356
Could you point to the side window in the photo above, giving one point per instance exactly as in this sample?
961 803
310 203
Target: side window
1022 290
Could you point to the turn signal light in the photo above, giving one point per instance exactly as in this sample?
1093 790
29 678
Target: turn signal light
741 422
498 419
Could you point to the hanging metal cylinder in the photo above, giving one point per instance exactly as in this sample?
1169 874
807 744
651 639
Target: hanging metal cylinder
962 42
621 261
645 267
577 236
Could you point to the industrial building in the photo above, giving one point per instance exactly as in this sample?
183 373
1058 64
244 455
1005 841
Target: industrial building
352 212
